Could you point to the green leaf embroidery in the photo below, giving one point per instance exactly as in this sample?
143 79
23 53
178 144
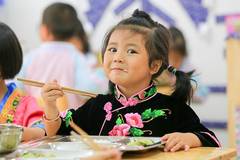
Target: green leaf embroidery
68 118
136 132
146 114
119 121
151 92
158 113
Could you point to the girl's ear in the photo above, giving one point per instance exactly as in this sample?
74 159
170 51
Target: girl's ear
45 34
155 66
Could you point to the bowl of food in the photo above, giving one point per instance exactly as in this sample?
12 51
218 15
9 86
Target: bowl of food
10 137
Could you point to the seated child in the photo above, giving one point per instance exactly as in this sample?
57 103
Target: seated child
135 52
15 107
179 59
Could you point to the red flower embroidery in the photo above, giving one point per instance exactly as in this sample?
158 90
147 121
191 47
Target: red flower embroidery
134 120
120 130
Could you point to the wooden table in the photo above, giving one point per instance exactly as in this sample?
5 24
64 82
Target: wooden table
201 153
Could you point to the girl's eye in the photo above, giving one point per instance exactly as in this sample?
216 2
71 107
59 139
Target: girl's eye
112 49
131 51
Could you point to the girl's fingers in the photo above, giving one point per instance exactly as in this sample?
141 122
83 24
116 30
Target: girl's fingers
53 98
165 137
170 144
177 147
54 92
51 86
186 147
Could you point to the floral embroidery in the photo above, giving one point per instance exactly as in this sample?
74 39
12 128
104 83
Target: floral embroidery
67 117
129 102
149 114
134 122
136 132
137 98
120 130
151 92
108 109
119 121
108 106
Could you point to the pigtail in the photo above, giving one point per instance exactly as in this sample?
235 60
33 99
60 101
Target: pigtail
183 87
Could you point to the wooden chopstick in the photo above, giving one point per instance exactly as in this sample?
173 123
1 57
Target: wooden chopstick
85 137
65 89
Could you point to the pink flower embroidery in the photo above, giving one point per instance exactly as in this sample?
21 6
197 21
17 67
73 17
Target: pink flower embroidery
134 120
120 130
108 108
132 101
108 116
123 101
129 102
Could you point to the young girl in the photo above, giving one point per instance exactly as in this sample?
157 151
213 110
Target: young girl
14 106
135 52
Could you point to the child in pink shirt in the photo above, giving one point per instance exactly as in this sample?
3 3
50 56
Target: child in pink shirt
15 107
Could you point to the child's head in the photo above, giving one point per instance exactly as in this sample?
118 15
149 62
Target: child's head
178 50
155 38
59 22
10 53
135 51
80 39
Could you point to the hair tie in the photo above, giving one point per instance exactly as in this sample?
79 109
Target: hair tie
172 69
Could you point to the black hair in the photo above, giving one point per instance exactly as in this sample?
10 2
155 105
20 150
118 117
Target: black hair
177 41
11 56
157 45
81 34
61 20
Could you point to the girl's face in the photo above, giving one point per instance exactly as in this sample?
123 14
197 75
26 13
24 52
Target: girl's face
126 60
175 58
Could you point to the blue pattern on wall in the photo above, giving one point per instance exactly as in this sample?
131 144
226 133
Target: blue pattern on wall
96 11
1 3
148 7
195 10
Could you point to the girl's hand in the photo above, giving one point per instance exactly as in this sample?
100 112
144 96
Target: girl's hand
177 141
51 92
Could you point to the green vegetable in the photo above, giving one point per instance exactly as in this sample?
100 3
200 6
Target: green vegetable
35 155
140 142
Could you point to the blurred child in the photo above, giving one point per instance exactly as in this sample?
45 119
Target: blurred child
178 58
56 57
80 41
15 107
135 52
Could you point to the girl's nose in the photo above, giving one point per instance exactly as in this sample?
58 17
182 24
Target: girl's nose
118 58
